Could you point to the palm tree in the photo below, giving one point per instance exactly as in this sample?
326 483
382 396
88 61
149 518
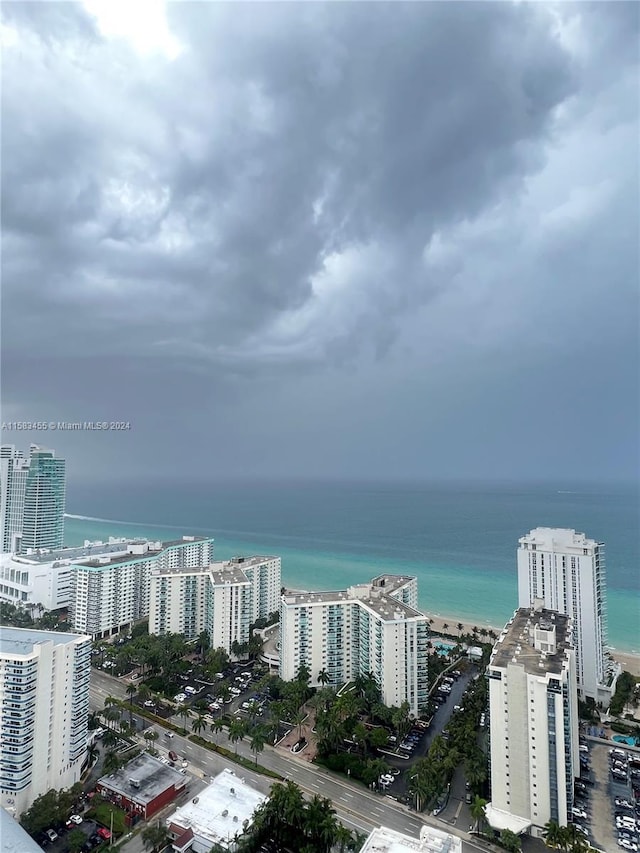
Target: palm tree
445 626
216 728
155 838
477 811
144 693
459 626
237 731
258 741
324 677
131 692
297 720
198 724
185 714
552 833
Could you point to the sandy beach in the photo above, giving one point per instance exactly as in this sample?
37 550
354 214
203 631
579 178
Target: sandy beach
630 663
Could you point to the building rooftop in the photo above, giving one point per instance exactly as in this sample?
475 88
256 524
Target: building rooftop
373 595
535 638
186 540
13 838
219 811
557 537
20 641
391 583
151 776
221 571
432 840
89 549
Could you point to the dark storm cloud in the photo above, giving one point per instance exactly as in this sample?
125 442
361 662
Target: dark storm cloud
306 188
391 120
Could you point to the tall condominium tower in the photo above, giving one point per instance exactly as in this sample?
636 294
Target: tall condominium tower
223 598
534 722
372 627
44 500
44 684
567 571
13 482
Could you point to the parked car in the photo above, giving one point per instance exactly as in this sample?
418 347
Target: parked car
74 819
52 835
173 755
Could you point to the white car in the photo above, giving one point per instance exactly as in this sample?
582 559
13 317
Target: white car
180 697
149 703
190 690
579 813
235 691
627 844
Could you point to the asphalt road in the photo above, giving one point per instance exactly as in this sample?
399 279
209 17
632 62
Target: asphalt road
356 807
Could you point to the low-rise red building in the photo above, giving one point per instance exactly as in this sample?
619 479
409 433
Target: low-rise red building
143 786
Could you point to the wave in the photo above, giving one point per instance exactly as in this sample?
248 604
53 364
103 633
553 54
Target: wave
119 521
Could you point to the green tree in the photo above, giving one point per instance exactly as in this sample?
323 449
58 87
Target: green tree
199 724
237 730
204 643
258 741
510 841
324 677
477 812
303 676
155 838
216 728
75 840
131 692
297 720
552 833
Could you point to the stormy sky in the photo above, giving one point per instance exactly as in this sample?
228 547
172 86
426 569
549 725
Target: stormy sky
353 240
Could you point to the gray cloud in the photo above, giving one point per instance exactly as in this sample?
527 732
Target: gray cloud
311 200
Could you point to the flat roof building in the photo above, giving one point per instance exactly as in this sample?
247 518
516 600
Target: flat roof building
219 812
372 627
44 686
567 571
432 840
533 705
223 598
143 786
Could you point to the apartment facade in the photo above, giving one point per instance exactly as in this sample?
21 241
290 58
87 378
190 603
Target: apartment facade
365 628
223 598
111 592
534 721
13 483
44 688
567 571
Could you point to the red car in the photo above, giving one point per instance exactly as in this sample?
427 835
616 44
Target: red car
103 833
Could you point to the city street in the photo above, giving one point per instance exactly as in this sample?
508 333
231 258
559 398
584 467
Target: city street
356 808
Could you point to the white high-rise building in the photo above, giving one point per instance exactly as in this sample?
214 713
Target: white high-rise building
534 722
372 627
567 571
32 499
223 598
13 483
44 688
104 585
111 592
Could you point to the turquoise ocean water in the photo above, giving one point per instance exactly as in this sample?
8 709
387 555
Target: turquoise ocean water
459 540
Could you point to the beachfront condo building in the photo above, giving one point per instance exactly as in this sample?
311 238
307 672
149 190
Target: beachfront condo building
104 586
111 592
367 628
224 598
32 499
534 722
567 571
44 685
13 483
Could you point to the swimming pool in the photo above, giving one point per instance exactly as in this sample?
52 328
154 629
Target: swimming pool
630 741
443 649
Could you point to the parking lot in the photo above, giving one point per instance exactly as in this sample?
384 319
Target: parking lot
603 812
